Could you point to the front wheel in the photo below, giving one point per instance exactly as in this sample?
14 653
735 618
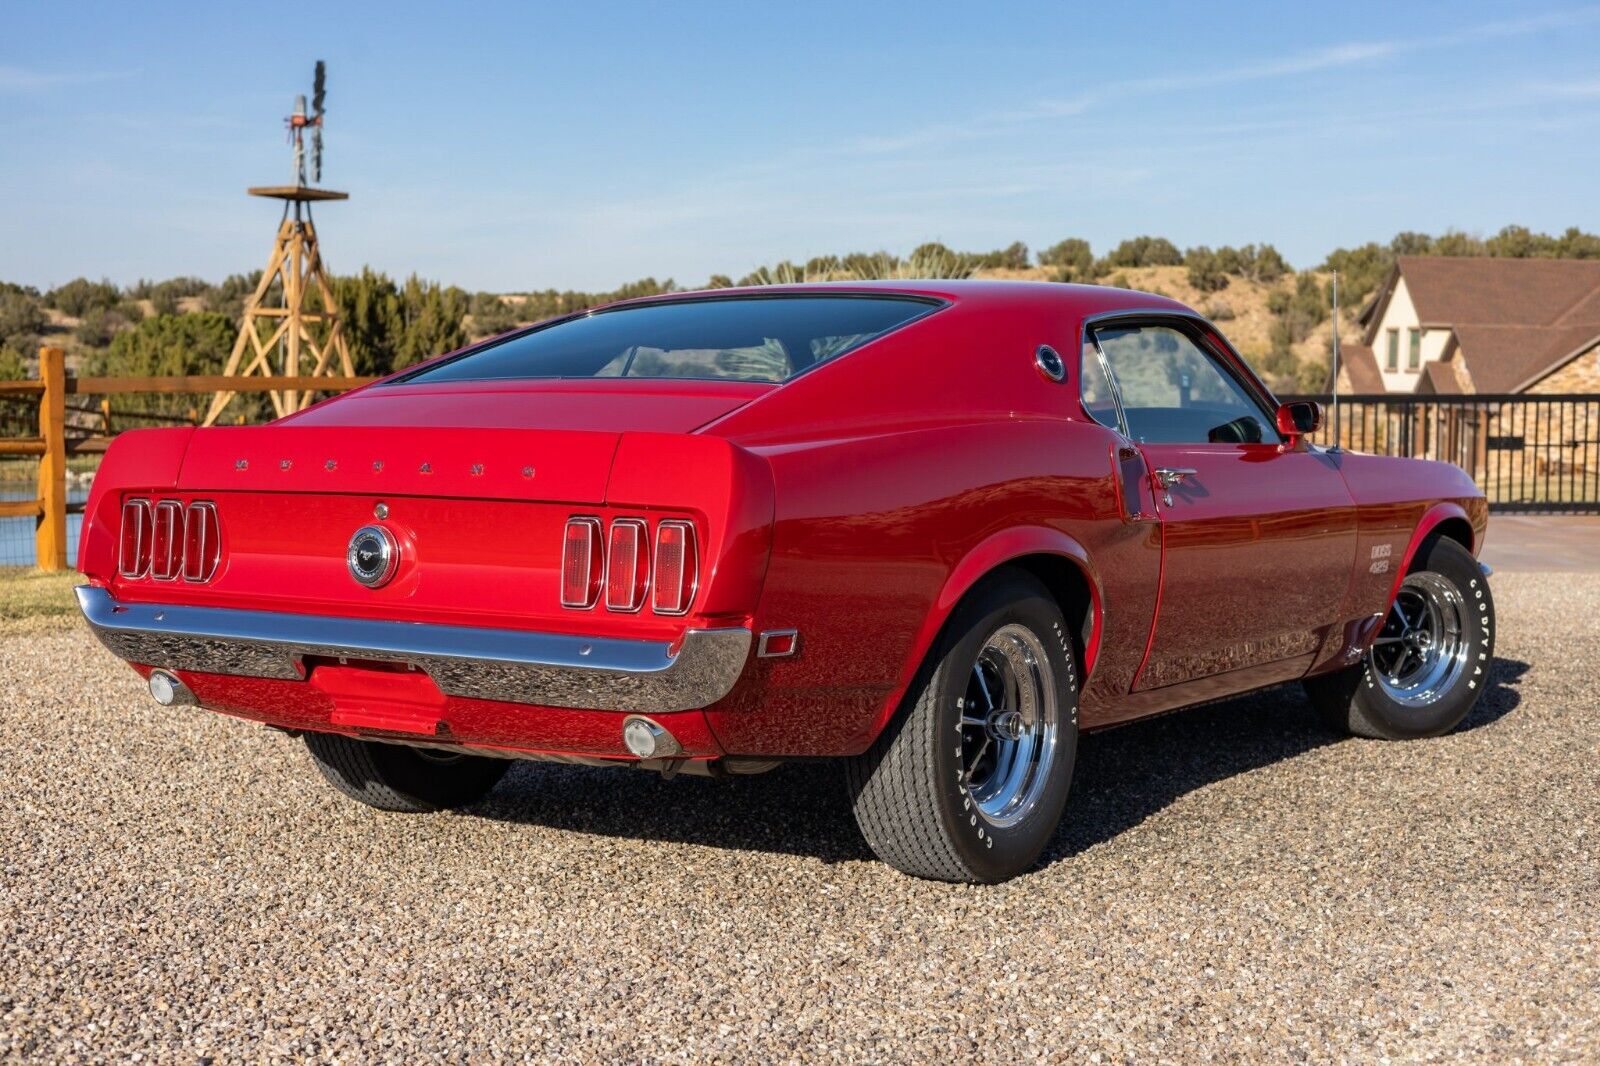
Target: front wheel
1430 661
969 781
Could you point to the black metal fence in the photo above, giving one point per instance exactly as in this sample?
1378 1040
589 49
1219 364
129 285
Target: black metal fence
1528 453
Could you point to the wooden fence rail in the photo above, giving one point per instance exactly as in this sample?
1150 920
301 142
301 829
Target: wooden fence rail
52 446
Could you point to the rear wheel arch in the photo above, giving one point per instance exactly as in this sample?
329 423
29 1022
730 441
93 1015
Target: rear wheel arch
1050 556
1070 586
1053 557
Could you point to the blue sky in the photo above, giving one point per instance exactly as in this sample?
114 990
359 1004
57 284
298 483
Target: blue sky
513 146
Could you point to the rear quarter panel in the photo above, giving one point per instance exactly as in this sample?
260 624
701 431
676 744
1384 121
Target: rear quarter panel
891 469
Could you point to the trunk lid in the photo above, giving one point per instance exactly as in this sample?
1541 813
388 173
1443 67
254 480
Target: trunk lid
476 480
650 405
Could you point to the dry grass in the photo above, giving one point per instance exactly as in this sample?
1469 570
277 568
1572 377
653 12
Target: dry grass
28 593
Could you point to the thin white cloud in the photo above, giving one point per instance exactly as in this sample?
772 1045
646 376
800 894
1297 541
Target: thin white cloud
21 79
1307 62
1568 88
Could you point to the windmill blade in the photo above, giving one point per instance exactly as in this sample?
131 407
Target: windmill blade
316 153
319 87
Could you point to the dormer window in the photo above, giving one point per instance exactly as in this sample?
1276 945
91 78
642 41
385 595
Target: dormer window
1414 353
1392 361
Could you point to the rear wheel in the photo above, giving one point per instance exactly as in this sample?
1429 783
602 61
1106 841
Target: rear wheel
395 777
969 781
1430 661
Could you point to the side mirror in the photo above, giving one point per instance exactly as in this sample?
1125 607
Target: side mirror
1299 419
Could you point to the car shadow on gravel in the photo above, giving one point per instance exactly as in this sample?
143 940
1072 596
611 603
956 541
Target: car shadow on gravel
1127 774
1124 776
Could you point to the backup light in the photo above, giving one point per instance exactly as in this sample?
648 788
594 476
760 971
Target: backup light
627 565
582 563
166 543
133 551
164 538
202 542
677 566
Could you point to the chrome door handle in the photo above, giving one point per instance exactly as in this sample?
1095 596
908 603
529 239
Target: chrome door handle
1168 476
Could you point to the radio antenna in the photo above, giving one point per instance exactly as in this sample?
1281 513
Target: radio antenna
1336 437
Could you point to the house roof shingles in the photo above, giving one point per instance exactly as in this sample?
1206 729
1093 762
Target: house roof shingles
1515 320
1360 368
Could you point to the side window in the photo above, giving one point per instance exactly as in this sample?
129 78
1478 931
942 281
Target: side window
1174 392
1096 389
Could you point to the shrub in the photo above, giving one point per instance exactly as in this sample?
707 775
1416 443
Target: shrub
78 295
1145 252
1205 270
13 365
21 320
171 345
491 315
1072 259
99 325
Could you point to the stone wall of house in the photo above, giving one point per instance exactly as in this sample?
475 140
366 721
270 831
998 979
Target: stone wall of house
1580 375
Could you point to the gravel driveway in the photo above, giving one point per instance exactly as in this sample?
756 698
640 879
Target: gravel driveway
1231 882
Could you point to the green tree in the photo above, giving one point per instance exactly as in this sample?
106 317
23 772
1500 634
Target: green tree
1013 256
1205 270
1145 252
1071 259
80 294
1361 270
1408 242
1576 244
1456 243
13 367
374 320
1519 242
491 315
433 320
99 325
168 346
21 319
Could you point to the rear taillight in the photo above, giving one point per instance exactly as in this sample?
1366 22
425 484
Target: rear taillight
582 563
677 567
133 553
627 565
166 545
165 538
202 542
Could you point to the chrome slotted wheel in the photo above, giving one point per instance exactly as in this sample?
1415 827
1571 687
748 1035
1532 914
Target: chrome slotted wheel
1009 726
1422 648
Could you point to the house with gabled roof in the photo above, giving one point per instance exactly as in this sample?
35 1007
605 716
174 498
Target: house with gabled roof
1453 326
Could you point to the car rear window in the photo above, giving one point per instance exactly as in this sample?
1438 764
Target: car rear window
736 338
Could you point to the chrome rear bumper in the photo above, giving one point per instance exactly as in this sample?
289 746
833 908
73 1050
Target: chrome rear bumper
548 669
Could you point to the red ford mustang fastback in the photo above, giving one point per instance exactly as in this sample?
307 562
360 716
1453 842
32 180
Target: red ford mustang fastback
934 529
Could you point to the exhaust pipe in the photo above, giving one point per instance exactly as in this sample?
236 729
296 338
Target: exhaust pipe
649 740
169 691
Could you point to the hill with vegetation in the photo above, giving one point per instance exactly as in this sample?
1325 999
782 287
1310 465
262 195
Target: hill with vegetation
1276 315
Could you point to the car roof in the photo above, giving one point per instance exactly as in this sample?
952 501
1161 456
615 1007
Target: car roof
1084 299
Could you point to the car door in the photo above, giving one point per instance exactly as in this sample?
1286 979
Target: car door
1258 537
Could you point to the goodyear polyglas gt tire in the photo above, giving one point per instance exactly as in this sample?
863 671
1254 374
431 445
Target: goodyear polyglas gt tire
1429 663
969 781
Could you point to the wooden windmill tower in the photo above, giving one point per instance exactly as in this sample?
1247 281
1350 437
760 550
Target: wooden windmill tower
284 333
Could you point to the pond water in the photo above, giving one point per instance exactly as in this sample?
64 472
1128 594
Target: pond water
16 534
